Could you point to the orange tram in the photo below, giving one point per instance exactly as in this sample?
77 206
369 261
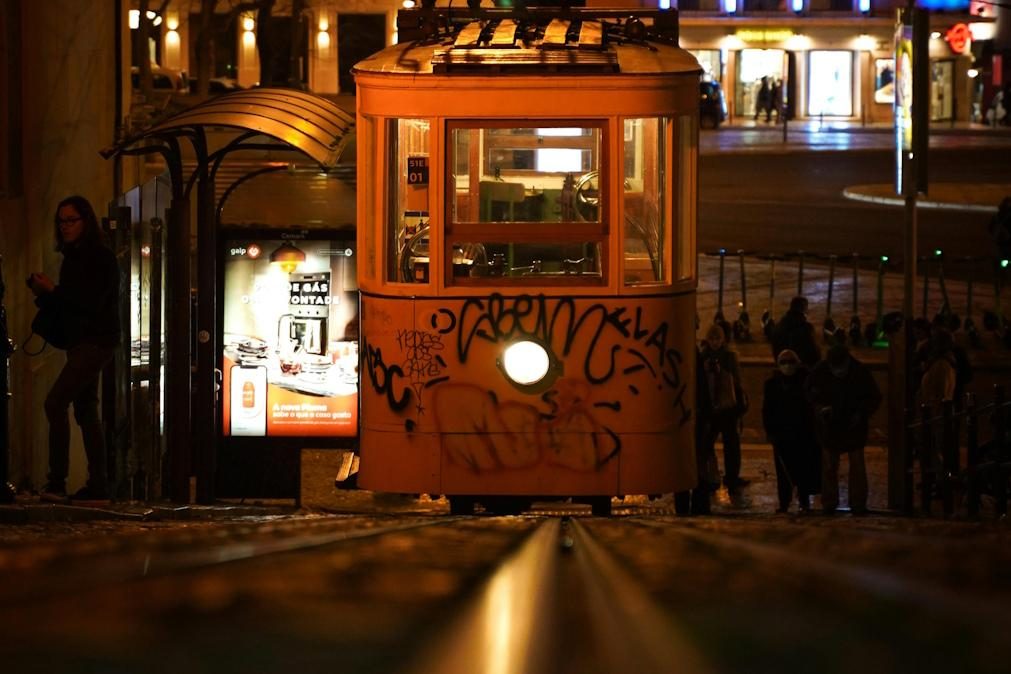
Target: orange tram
527 257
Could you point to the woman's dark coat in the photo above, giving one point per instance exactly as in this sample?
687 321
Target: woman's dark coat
789 423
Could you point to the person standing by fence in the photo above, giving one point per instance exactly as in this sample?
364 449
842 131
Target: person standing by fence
844 396
795 332
723 377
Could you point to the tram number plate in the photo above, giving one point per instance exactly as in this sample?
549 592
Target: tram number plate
417 170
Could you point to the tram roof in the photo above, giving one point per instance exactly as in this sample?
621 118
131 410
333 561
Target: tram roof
558 46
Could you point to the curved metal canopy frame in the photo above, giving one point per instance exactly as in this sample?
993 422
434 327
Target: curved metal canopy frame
311 124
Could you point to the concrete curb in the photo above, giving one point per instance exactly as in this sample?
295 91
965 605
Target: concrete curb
857 194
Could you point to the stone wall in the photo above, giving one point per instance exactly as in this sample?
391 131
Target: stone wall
66 105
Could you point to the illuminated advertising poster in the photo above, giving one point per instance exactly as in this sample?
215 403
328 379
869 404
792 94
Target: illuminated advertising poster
903 98
290 362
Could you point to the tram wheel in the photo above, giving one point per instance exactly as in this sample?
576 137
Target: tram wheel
601 506
461 505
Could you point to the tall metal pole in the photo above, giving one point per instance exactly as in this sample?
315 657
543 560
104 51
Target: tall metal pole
912 91
7 491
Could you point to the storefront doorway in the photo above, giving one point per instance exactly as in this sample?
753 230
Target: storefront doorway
752 66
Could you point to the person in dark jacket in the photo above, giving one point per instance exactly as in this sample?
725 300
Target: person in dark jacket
794 332
789 423
85 300
844 396
723 378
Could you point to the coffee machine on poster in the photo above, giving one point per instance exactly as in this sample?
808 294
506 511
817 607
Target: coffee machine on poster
305 328
291 336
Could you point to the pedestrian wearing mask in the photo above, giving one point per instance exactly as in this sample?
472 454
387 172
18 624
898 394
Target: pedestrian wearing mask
85 302
789 424
723 377
844 396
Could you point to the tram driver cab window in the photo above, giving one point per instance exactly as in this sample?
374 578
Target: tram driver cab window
525 203
407 255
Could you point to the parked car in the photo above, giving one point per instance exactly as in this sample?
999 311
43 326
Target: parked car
712 105
217 85
164 79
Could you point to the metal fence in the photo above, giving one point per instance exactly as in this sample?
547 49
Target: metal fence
948 292
935 443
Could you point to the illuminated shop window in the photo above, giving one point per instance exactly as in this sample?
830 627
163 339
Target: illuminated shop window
830 83
645 204
409 206
525 203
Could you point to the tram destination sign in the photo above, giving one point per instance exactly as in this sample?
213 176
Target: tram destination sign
417 170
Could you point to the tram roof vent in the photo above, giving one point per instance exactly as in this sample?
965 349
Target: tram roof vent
519 39
562 46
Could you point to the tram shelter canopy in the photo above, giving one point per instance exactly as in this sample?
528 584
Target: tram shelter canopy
263 119
310 124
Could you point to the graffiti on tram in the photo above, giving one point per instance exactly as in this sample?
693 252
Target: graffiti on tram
616 354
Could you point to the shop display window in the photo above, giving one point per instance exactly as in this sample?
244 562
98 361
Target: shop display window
525 203
942 98
830 83
884 81
645 200
711 62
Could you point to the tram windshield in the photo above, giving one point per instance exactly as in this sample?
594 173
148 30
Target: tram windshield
526 174
525 201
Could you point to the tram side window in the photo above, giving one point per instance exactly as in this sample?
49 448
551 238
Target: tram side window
688 157
645 207
525 201
407 251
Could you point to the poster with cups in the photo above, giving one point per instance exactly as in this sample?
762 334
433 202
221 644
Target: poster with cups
290 347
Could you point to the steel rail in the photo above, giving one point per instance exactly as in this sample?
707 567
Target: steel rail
188 557
863 578
523 619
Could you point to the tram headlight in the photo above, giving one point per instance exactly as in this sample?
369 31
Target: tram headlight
526 362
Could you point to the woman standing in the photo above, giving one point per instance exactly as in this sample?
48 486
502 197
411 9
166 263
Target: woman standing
85 300
789 423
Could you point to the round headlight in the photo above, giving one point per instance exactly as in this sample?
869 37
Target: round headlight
526 363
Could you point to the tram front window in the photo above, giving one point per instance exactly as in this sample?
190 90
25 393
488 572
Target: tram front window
526 201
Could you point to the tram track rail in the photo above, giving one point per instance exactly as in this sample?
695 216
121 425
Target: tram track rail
561 603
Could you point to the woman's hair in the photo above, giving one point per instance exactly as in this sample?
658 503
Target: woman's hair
91 234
